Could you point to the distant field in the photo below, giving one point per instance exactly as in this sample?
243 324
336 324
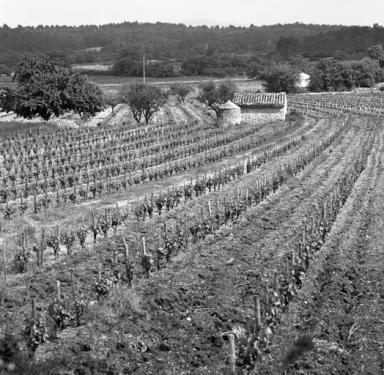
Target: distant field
111 83
6 82
114 80
11 127
95 67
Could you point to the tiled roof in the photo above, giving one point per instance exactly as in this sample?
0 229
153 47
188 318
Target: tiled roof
260 100
229 105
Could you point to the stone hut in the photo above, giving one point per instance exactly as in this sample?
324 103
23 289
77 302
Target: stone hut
261 107
229 114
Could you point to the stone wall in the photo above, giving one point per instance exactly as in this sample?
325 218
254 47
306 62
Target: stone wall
228 117
263 115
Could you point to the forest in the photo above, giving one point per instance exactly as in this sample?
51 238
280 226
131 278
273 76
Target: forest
344 43
336 57
159 40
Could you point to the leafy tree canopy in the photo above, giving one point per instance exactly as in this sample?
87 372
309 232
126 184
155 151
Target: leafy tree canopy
112 99
213 96
376 52
281 79
180 91
333 75
47 87
144 100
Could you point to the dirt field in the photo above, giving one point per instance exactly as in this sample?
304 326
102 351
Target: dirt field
283 252
113 83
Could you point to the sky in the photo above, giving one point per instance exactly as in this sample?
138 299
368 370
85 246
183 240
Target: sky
211 12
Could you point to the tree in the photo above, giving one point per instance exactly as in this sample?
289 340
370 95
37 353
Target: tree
85 98
333 75
288 46
213 96
111 99
47 87
281 79
144 100
129 62
376 52
180 91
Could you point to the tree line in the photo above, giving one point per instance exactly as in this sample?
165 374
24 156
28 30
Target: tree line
161 41
349 42
328 74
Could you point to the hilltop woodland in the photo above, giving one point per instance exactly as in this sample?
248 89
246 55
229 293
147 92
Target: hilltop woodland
337 58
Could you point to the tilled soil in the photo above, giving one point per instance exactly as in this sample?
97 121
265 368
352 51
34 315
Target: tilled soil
173 322
70 215
341 303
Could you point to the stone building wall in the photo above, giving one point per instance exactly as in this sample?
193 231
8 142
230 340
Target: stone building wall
262 115
228 117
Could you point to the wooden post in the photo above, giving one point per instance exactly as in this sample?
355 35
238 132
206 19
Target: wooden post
293 258
232 353
87 189
127 265
73 285
144 249
34 202
275 282
42 246
4 267
288 270
114 258
106 221
266 295
58 290
186 230
257 313
99 273
33 308
165 232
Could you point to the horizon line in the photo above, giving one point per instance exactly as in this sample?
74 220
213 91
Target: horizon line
187 24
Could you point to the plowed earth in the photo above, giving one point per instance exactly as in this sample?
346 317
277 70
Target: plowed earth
173 322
